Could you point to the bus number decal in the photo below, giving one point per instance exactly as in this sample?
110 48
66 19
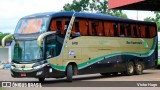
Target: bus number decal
71 53
74 43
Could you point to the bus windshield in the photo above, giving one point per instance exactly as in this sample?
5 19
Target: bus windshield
32 25
26 51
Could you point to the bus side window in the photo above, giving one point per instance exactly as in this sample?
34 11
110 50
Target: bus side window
119 29
128 27
122 30
53 25
83 27
90 27
152 30
132 31
75 30
147 33
138 31
108 29
142 30
99 28
94 29
115 29
64 27
135 34
59 26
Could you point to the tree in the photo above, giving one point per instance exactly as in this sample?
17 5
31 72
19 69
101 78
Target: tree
98 6
156 19
3 35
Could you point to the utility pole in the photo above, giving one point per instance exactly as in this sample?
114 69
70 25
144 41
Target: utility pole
137 14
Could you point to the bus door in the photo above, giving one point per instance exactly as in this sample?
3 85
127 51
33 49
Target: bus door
51 51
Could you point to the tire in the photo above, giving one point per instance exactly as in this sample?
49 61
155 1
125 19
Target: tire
139 68
129 69
41 79
69 73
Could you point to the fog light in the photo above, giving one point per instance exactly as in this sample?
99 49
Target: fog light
39 73
12 67
50 70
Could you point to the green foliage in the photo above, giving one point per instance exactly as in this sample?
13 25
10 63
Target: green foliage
3 35
77 6
98 6
1 88
117 13
156 19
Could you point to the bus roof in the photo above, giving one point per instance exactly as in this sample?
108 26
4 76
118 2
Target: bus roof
89 16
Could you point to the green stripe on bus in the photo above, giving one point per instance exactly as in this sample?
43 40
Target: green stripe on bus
61 68
92 61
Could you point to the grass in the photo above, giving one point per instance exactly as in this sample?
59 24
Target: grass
158 62
1 88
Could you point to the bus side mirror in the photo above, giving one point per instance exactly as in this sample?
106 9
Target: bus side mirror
4 39
40 38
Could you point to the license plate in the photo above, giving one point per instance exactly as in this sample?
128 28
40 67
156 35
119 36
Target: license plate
23 75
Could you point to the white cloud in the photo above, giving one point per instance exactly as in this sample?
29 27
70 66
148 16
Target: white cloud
13 10
140 15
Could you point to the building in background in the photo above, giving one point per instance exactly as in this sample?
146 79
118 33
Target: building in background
5 53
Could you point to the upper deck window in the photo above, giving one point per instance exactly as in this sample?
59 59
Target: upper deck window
32 25
59 25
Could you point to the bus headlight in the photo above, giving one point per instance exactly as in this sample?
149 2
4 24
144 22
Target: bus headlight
37 67
13 66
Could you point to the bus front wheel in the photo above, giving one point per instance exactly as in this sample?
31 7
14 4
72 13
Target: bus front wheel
69 73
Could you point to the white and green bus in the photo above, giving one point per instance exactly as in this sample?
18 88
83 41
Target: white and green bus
63 44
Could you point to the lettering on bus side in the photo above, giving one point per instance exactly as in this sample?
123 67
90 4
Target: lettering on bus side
74 43
131 42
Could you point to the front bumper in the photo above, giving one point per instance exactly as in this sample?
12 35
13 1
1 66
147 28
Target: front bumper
37 73
44 72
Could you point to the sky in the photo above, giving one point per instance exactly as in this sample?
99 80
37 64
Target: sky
12 10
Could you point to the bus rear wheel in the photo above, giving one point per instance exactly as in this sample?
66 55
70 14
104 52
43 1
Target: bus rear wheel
139 68
69 73
129 69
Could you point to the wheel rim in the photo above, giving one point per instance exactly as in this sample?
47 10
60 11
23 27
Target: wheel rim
131 69
139 67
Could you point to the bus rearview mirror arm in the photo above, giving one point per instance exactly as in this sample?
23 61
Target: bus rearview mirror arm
40 38
4 39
